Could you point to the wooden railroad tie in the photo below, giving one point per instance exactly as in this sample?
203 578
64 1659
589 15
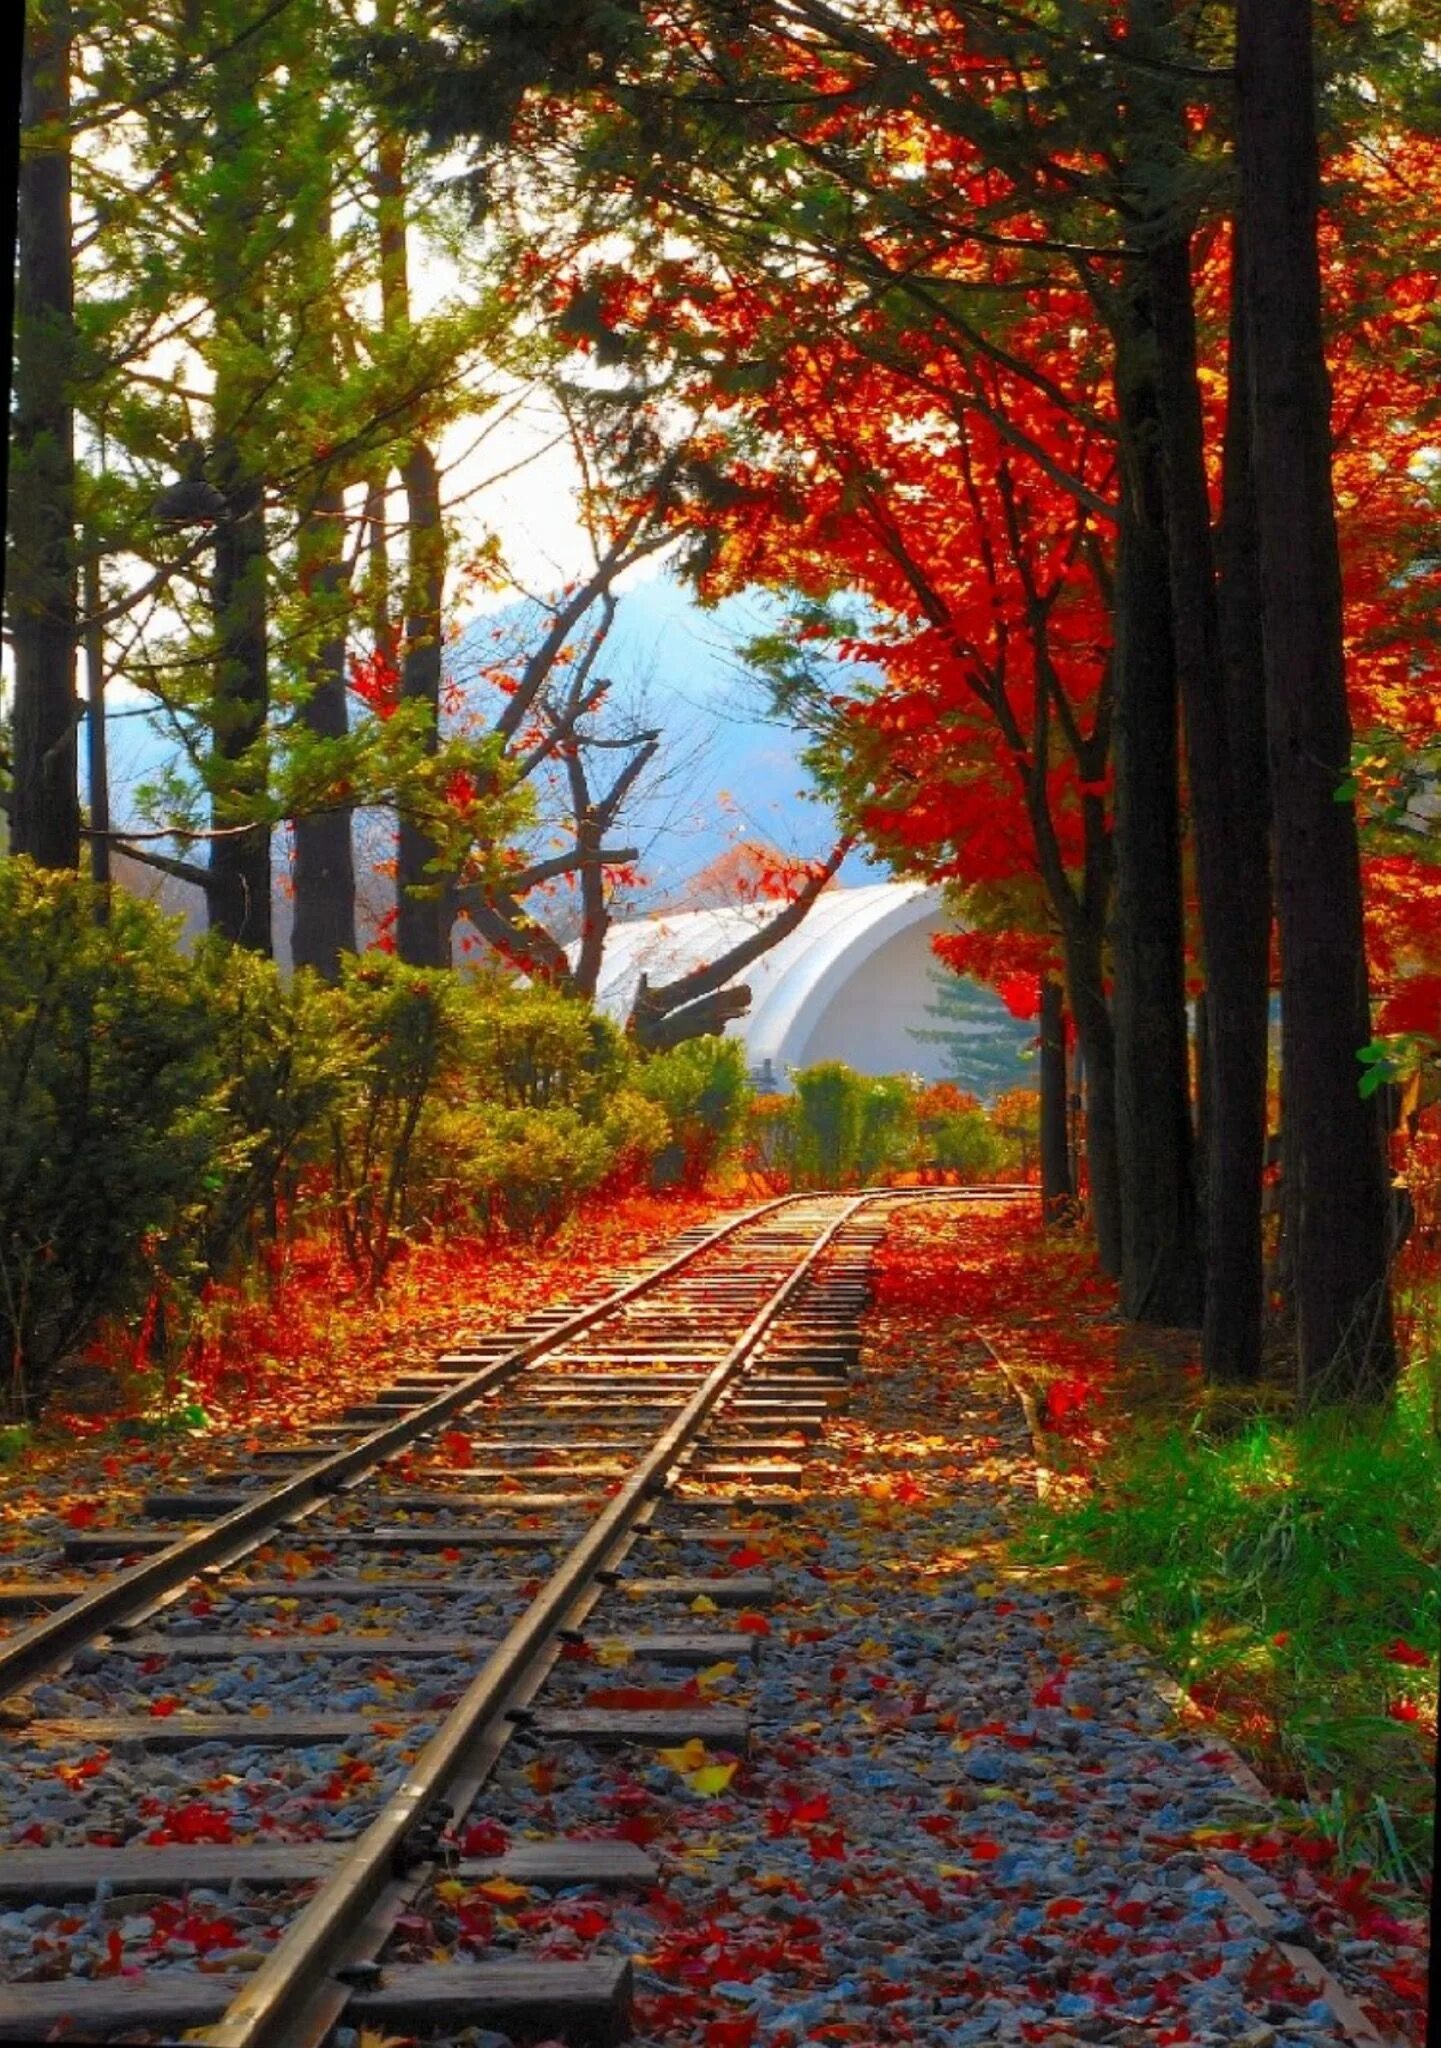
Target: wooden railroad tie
589 2003
36 1876
388 1649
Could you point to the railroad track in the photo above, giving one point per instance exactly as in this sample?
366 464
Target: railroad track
590 1480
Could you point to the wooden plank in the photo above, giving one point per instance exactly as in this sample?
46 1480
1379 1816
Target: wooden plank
36 1876
390 1649
741 1590
187 1731
79 1545
590 2002
497 1536
168 2003
518 1503
667 1354
695 1651
16 1597
347 1589
203 1502
385 1649
750 1473
558 1468
587 2004
45 1875
617 1383
549 1866
652 1728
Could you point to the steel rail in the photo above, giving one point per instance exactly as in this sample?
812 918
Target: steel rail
272 2007
133 1592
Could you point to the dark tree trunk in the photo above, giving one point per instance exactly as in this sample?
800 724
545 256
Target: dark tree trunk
1201 1059
1085 986
239 893
1161 1261
1057 1193
424 905
97 751
45 804
1228 810
324 853
238 896
1343 1306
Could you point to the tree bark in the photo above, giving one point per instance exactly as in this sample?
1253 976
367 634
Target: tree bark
324 928
97 751
1085 987
424 900
652 1006
1225 742
1343 1305
238 898
45 807
1160 1247
1057 1193
425 909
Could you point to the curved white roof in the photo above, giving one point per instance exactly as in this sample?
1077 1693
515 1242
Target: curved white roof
794 984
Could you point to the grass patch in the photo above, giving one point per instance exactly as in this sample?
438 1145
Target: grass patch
1286 1569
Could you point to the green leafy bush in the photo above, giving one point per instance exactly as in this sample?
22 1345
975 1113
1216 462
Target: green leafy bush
829 1108
966 1144
636 1131
112 1130
534 1048
526 1169
284 1049
404 1036
701 1086
886 1141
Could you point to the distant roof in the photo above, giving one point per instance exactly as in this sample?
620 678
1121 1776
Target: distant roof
792 984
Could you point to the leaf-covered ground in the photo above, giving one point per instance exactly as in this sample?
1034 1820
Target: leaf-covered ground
967 1814
290 1352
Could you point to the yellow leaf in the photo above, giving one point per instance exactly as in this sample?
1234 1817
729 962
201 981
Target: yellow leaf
703 1604
612 1652
501 1892
714 1778
692 1757
450 1889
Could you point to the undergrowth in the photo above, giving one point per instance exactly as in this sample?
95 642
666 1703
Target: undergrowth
1285 1568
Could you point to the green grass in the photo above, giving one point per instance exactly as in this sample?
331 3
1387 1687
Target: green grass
1270 1562
15 1440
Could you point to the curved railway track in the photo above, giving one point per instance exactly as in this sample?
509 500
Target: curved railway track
693 1386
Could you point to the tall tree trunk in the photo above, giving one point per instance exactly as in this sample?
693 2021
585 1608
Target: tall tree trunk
1343 1304
424 900
45 813
238 896
1085 987
1057 1192
97 751
1161 1260
425 907
1225 742
324 852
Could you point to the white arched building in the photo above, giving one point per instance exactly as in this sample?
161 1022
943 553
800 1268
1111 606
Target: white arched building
856 981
